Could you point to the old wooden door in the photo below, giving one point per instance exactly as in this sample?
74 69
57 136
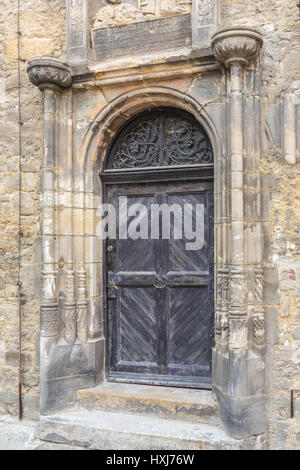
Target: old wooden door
160 295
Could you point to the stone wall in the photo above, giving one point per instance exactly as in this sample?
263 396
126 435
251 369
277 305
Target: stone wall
279 23
43 33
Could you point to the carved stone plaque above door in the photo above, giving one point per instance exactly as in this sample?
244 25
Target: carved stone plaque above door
136 27
119 13
142 37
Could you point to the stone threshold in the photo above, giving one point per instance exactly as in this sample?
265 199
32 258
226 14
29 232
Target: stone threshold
164 402
100 430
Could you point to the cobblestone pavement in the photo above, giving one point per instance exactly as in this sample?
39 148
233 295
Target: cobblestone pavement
15 435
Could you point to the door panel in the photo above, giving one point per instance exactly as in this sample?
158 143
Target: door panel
136 255
160 295
138 328
179 258
189 340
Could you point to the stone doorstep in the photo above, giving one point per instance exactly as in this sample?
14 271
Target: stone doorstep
100 430
163 402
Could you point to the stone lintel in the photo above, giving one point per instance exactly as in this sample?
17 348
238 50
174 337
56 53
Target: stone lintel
120 72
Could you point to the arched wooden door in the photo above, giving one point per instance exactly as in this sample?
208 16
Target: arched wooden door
159 293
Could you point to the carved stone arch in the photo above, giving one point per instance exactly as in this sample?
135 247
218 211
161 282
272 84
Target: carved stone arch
101 132
93 150
110 119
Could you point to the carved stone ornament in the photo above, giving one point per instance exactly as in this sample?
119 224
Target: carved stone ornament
238 289
236 45
206 12
224 327
258 286
238 333
217 326
259 330
49 320
46 72
70 307
48 285
118 13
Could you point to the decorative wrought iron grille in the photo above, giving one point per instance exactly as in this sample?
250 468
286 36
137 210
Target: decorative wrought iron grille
161 138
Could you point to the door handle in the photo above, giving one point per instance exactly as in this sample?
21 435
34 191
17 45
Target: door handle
160 282
112 286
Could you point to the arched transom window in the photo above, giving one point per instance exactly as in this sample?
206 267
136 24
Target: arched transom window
164 137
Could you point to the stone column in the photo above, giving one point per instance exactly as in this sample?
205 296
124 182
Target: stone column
235 382
289 128
51 76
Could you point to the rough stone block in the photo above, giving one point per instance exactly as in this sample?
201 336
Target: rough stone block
297 408
243 417
31 406
271 290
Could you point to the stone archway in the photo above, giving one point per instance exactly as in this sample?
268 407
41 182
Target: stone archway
71 322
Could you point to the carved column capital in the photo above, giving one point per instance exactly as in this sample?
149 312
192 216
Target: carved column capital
49 73
236 45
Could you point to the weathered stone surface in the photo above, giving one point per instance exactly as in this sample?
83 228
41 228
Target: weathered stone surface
278 91
104 431
206 18
43 32
142 38
190 405
297 408
16 436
